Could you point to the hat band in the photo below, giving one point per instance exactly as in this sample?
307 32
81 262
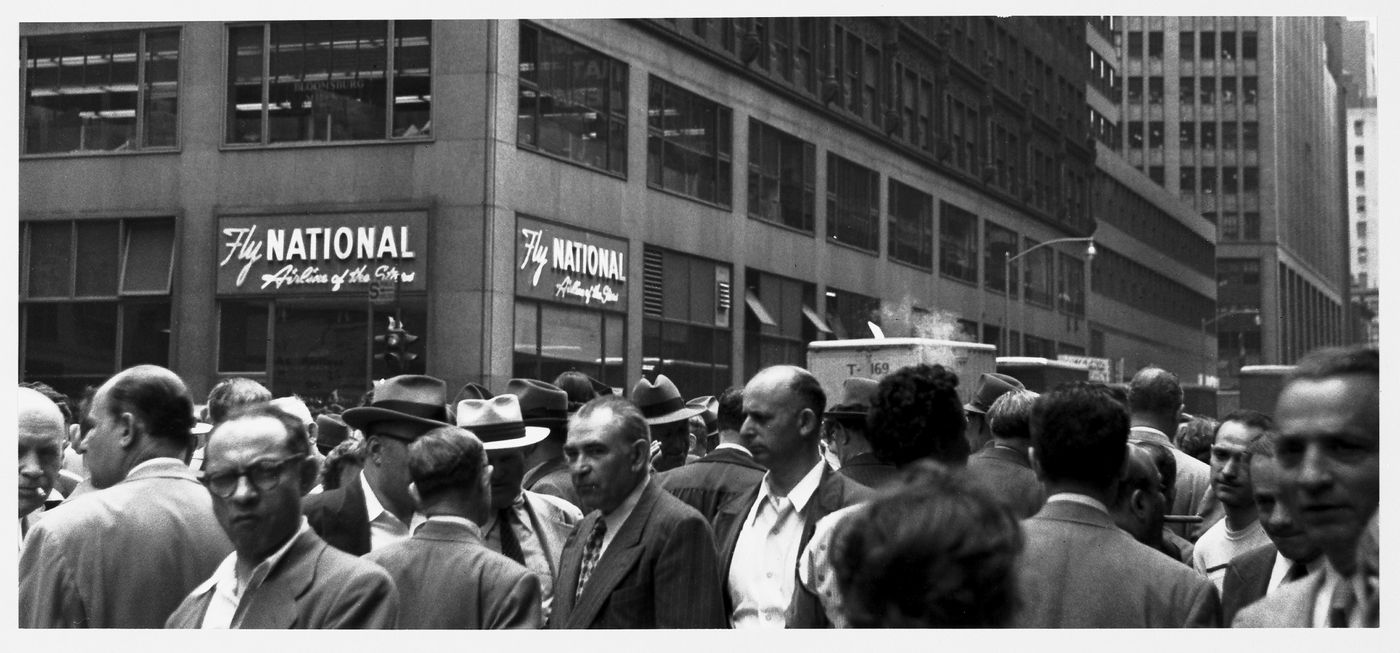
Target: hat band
497 432
545 413
414 409
664 408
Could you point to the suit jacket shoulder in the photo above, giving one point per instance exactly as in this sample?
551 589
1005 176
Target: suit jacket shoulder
339 516
1289 606
1247 580
709 483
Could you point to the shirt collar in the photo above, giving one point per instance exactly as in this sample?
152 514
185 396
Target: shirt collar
801 493
1151 433
619 515
454 519
262 569
1081 499
732 445
153 462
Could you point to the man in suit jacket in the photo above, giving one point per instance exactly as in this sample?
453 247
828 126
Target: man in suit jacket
123 556
783 405
844 430
375 509
641 558
1004 466
722 474
447 577
1156 401
1079 570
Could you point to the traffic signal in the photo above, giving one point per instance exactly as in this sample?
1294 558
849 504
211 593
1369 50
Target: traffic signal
393 345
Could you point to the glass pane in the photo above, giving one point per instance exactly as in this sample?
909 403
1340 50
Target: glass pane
327 81
148 252
97 258
71 339
81 92
162 97
245 98
527 360
614 351
243 336
569 335
319 348
413 93
146 334
50 259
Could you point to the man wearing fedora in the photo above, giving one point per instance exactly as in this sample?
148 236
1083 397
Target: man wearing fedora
989 388
1004 467
723 474
548 473
330 432
377 509
525 526
668 415
845 429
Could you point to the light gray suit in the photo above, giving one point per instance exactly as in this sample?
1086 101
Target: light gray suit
1289 606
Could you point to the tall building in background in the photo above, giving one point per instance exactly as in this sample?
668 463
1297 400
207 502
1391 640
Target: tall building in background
1241 117
1363 173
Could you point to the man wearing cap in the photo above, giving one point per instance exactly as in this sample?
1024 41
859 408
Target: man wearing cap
446 576
548 473
989 388
723 474
1004 466
524 526
378 509
669 418
845 429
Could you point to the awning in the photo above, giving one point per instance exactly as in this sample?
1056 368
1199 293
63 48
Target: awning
816 320
759 311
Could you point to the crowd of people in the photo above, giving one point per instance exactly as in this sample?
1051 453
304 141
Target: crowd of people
564 504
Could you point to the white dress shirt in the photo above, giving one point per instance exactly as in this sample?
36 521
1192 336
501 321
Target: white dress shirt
1081 499
229 588
763 571
384 527
1281 567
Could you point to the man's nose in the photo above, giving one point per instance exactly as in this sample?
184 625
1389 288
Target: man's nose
1315 471
244 490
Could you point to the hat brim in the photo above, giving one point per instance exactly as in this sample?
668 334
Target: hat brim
200 428
533 435
845 414
546 422
675 416
362 416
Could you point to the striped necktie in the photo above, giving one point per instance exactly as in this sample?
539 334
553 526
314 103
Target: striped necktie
591 551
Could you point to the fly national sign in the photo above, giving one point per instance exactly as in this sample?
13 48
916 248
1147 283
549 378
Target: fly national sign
321 253
570 265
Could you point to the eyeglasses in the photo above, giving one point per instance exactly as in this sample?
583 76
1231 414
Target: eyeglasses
263 475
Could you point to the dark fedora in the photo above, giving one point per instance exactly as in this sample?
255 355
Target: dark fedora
661 402
472 391
710 404
580 388
413 399
989 387
330 431
856 393
498 423
541 404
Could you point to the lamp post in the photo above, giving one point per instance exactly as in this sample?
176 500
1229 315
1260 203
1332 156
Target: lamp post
1006 286
1205 335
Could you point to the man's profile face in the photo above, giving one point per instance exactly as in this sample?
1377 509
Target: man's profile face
102 446
674 438
1229 463
41 437
604 467
388 452
507 475
772 429
1275 515
258 521
1329 450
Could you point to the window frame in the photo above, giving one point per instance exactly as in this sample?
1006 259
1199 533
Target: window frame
723 152
615 116
839 206
759 134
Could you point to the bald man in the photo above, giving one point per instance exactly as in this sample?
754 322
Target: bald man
41 440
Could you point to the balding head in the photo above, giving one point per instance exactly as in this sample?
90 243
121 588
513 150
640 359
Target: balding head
143 412
41 431
1155 394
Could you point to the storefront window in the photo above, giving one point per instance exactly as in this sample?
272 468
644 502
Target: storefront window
778 329
551 340
685 321
689 141
320 81
104 91
957 239
572 101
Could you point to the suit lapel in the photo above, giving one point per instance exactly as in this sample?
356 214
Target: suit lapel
616 561
567 580
273 603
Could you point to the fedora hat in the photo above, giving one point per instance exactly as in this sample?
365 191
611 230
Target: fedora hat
472 391
989 387
330 431
661 402
497 422
710 414
856 393
409 398
541 404
581 388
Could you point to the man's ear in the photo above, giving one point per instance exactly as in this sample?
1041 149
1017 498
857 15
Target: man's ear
374 450
808 422
128 438
1035 462
413 492
641 455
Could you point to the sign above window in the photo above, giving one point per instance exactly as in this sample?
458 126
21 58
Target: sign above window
332 253
570 265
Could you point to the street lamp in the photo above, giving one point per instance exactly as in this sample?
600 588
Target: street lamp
1006 286
1205 335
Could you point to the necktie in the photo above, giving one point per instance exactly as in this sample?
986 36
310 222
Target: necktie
1343 600
510 544
1296 571
591 550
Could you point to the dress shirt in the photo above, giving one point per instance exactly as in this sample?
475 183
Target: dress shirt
531 545
1323 603
384 527
619 515
1082 499
27 522
229 587
1151 435
763 571
731 445
454 519
1281 567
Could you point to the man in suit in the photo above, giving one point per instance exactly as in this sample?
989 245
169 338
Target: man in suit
1079 570
668 416
446 576
1240 530
124 555
722 474
1004 466
547 472
844 429
990 387
524 526
1328 448
376 509
1156 401
763 532
641 558
1290 555
41 432
258 464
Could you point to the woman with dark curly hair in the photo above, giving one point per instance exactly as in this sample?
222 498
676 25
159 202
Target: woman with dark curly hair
938 552
916 414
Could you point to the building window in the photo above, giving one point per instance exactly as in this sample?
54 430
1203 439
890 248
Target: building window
1360 178
957 240
1227 91
101 92
1229 135
94 298
1208 45
688 143
962 131
1229 226
1134 45
1154 45
1249 88
1251 179
323 81
1037 274
782 177
1186 134
1155 137
1359 127
1187 179
1157 174
1135 90
1071 293
849 313
1250 135
686 331
1208 136
1249 45
1135 135
1360 153
1230 181
1227 46
1208 180
1251 225
1360 226
1001 243
1207 91
1186 91
911 225
1361 204
778 335
1186 43
572 101
852 203
1154 90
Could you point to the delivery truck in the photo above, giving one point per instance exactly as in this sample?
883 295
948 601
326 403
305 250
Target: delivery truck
1041 374
834 361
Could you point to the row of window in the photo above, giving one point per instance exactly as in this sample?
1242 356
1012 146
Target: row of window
1242 45
1242 90
1227 135
1231 181
1123 279
1117 204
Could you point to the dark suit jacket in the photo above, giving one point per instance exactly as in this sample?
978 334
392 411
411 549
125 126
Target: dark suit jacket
660 571
1079 570
313 586
552 478
339 516
834 492
712 481
1247 580
866 469
447 578
1007 475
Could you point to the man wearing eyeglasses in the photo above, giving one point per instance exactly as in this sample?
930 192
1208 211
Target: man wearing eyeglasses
281 574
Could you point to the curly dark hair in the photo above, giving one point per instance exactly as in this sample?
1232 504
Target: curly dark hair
1194 437
936 552
1080 433
916 413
